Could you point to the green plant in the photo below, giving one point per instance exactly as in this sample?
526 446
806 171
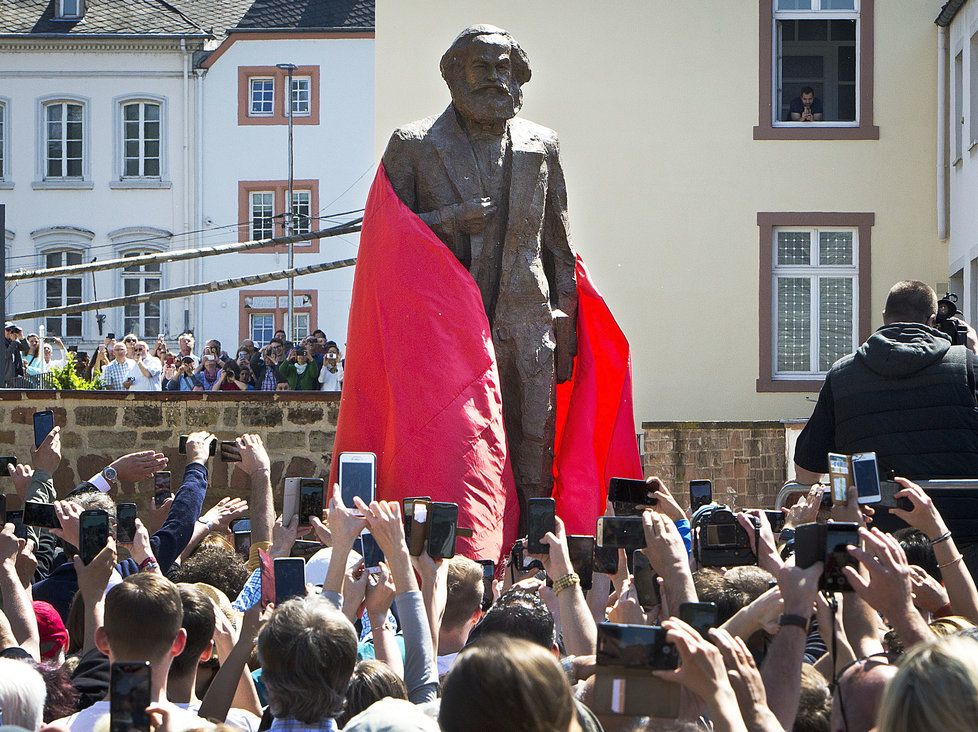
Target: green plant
66 378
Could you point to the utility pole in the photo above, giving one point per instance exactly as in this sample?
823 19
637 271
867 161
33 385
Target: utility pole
290 328
5 374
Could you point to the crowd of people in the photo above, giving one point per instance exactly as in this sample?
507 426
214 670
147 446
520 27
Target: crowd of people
416 643
314 363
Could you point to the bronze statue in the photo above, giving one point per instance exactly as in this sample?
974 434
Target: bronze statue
490 185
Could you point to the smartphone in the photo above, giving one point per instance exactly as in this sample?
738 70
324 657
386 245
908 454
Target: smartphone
93 533
230 452
581 550
701 616
776 519
540 521
43 424
41 515
290 578
357 476
371 553
242 542
183 446
407 514
295 489
488 577
442 523
16 517
3 509
646 581
241 524
635 646
302 548
125 528
129 695
605 559
162 484
866 476
630 490
700 494
110 336
621 532
518 561
7 460
839 477
827 543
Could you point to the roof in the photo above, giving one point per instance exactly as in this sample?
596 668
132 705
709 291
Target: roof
950 9
102 17
309 15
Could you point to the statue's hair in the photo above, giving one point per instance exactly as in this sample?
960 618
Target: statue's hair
451 60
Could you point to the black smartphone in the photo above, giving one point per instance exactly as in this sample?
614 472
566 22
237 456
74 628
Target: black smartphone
488 577
162 487
518 561
540 520
183 445
93 532
242 542
371 553
635 646
605 559
621 532
16 517
290 578
41 515
442 523
5 461
302 548
125 528
3 509
43 424
827 543
776 519
646 581
699 615
700 493
630 490
241 524
581 550
311 501
230 452
129 695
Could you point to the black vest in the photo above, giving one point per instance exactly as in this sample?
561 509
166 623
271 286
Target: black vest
924 425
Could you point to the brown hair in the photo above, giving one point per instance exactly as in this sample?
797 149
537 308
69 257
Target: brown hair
143 615
307 651
199 622
464 591
371 681
506 683
910 301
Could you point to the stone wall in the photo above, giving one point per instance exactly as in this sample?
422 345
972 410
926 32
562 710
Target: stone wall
745 460
297 428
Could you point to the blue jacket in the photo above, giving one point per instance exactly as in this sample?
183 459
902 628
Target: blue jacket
60 586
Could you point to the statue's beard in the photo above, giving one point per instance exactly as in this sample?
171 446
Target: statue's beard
487 105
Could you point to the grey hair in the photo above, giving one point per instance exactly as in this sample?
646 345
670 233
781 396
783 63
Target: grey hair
22 694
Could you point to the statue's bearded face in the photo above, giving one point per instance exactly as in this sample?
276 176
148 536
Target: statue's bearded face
482 85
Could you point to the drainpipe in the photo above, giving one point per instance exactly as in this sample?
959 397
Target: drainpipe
186 153
199 179
942 123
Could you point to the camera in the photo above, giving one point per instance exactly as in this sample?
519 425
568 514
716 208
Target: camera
719 540
947 323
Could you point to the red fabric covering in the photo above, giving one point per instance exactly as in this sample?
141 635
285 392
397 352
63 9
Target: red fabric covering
421 388
595 427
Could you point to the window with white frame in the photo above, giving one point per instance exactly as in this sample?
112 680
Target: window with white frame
262 328
301 326
141 318
141 140
261 206
70 9
816 62
261 97
301 97
60 291
3 140
301 212
64 140
815 297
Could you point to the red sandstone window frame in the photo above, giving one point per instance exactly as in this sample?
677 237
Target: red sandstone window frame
279 190
279 115
767 222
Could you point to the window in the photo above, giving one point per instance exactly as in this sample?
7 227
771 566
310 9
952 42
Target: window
262 97
141 318
301 329
300 97
141 140
814 295
301 212
64 140
60 291
70 9
957 119
261 216
3 140
816 70
262 328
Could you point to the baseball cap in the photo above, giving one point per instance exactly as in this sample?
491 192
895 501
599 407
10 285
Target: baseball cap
51 629
10 325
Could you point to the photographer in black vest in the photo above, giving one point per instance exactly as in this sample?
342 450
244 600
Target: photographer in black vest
907 394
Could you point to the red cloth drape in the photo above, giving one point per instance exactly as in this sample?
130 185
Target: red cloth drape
421 388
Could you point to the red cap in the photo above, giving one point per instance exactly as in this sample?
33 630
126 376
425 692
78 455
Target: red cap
54 635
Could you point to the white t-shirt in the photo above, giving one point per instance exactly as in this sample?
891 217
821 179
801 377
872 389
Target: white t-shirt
245 721
329 380
151 382
91 719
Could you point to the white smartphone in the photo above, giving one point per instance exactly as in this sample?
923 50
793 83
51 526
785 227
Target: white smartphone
866 476
296 491
358 476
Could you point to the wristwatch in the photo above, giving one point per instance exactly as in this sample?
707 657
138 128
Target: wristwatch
110 473
797 620
787 536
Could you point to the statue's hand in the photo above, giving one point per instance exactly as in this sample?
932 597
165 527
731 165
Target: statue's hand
472 216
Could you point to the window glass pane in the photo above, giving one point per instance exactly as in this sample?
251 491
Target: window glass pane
74 169
261 96
74 113
152 309
835 247
73 257
301 329
152 130
794 4
152 168
73 325
53 259
131 287
152 112
2 122
152 149
842 30
151 284
53 326
813 30
835 315
53 292
73 286
131 112
838 4
794 324
301 212
132 166
54 112
262 328
794 247
820 54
